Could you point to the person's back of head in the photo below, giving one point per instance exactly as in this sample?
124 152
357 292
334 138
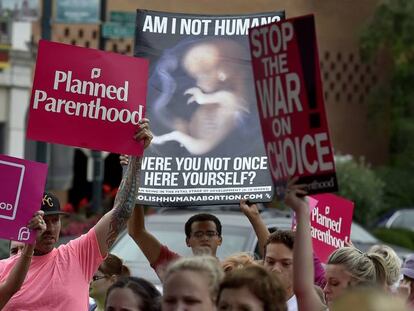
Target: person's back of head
113 265
264 286
392 262
368 299
237 261
366 269
146 296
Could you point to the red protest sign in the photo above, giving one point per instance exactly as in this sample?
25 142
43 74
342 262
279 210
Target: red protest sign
87 98
291 106
22 184
331 220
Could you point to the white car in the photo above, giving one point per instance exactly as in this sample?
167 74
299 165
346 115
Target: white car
237 233
403 218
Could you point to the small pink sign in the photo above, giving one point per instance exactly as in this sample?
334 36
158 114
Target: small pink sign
331 220
22 184
87 98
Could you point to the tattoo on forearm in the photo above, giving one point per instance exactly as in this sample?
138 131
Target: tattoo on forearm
125 199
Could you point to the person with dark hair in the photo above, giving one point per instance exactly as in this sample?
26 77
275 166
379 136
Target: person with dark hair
15 279
201 217
110 270
278 259
407 271
132 294
277 252
58 278
251 288
203 236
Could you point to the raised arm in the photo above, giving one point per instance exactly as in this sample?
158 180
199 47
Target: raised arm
18 274
111 224
303 269
148 243
259 227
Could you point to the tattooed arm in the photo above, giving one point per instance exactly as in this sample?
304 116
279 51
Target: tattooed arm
113 222
17 275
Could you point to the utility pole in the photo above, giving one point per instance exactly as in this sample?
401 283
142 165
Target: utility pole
98 162
42 148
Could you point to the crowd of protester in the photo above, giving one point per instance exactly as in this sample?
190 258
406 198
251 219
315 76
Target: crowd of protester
288 277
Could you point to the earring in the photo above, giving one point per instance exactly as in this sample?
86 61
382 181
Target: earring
222 76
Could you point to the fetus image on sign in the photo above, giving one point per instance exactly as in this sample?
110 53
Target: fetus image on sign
206 96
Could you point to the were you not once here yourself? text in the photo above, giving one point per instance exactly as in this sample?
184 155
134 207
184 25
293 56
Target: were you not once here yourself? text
198 171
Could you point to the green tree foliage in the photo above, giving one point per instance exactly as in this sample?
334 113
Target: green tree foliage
399 186
360 184
392 30
401 237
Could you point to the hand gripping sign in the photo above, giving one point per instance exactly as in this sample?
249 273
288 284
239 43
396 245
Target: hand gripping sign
290 103
87 98
22 185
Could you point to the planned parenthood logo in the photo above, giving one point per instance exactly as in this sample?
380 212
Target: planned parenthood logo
11 188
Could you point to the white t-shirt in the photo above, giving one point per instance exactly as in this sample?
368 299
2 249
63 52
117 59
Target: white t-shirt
292 304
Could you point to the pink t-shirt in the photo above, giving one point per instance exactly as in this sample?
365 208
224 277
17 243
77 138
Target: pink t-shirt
165 258
58 280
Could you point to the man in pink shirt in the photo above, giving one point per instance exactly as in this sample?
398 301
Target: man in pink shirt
58 278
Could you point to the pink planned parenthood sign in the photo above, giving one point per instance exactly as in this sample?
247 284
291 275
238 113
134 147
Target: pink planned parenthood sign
331 220
22 184
87 98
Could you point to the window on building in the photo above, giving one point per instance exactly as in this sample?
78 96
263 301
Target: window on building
2 137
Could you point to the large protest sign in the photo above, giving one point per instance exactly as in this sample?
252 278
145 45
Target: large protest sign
22 184
87 98
291 105
331 220
207 147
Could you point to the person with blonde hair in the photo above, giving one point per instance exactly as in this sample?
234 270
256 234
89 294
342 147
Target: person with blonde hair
237 261
350 267
392 263
251 288
346 268
193 283
368 299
